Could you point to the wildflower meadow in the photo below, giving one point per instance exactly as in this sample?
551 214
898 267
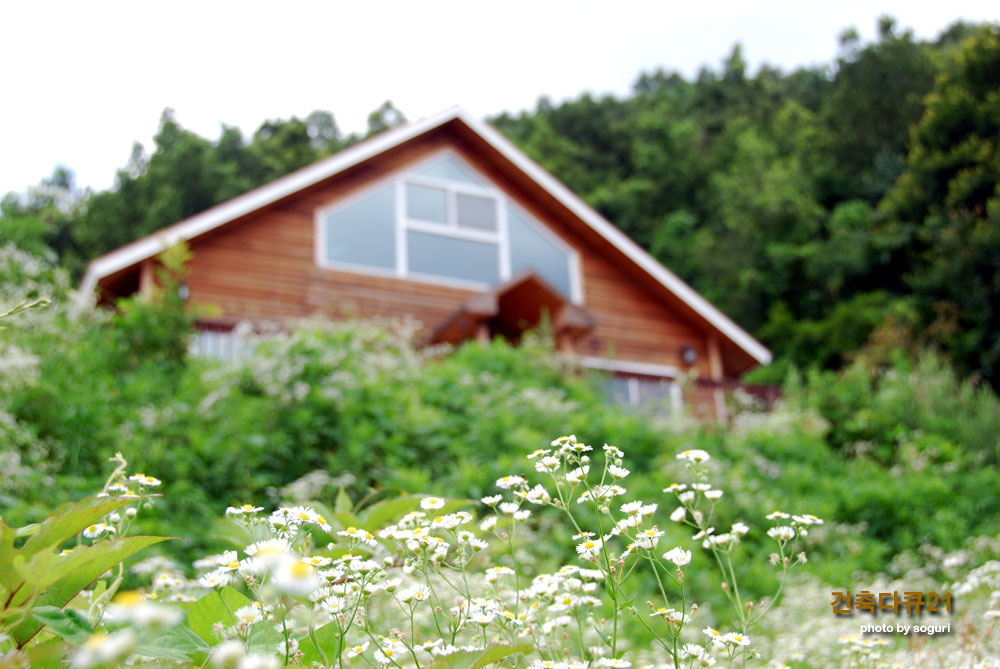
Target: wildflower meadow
342 497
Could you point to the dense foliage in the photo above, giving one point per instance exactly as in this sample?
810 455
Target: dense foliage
895 448
894 452
811 206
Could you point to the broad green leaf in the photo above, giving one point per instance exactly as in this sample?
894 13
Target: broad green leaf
264 638
328 637
178 643
69 520
88 566
47 655
387 511
217 606
69 624
494 654
477 659
347 519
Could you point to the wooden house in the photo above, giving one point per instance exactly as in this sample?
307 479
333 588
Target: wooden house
445 220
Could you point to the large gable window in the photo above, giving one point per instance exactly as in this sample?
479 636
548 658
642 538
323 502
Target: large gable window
443 222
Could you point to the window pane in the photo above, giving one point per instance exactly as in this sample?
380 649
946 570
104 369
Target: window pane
452 258
365 232
426 204
476 212
616 391
451 169
530 249
653 391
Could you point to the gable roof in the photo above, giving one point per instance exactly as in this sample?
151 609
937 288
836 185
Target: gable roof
148 247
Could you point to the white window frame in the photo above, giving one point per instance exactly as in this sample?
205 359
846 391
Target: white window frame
450 228
631 371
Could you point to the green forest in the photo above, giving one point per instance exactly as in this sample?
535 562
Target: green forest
814 207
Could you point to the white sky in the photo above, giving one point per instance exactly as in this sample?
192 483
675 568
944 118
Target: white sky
82 80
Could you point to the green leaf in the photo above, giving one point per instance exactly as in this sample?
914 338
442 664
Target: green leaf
27 530
476 659
69 520
264 639
47 655
343 503
328 637
494 654
381 513
69 624
75 572
178 643
217 606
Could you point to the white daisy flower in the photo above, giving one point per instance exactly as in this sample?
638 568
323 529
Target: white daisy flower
613 451
781 533
678 514
511 481
618 473
678 556
589 548
102 648
694 455
548 464
648 539
354 651
430 503
97 529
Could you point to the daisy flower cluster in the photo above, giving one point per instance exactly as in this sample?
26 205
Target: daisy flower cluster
312 587
696 506
121 486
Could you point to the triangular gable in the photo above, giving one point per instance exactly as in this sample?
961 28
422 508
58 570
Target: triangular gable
148 247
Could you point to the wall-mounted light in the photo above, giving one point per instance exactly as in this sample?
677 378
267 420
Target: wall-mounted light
689 355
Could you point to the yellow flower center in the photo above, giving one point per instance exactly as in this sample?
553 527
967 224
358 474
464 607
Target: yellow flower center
129 598
301 570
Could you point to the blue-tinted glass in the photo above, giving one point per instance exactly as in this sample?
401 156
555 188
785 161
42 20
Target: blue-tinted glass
452 258
426 204
364 233
530 249
479 213
616 390
451 169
